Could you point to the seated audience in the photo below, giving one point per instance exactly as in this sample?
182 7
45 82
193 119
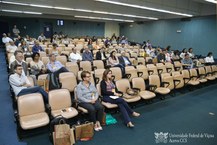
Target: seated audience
55 66
182 55
187 61
87 55
175 56
11 48
114 62
161 58
55 50
108 89
37 47
88 98
122 48
36 65
190 52
21 85
209 59
25 48
100 55
75 56
41 38
124 60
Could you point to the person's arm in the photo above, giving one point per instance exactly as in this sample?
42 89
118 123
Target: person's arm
49 67
14 81
104 91
81 96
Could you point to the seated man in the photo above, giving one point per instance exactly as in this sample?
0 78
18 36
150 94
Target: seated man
11 48
6 39
87 55
187 61
21 85
55 66
37 47
100 55
74 56
124 60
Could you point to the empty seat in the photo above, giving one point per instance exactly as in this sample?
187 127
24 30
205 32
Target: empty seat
31 111
209 73
141 60
61 104
143 69
72 67
98 64
117 74
178 79
131 72
45 60
167 81
152 69
68 81
85 65
169 67
194 76
178 66
155 85
122 86
161 68
188 80
138 83
214 70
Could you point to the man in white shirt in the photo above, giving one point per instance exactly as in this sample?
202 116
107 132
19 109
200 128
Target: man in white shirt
6 39
74 56
21 85
11 48
41 38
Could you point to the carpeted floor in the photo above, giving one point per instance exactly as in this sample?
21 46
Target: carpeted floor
190 114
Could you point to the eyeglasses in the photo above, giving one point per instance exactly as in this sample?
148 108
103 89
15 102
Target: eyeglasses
88 76
20 69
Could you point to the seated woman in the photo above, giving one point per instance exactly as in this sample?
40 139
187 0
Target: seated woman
36 65
114 62
55 50
209 59
108 89
88 98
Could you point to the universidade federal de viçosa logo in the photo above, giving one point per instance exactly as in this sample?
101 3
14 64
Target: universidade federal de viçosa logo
161 137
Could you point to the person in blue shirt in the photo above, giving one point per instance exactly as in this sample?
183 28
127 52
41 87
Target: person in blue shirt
55 66
37 47
87 55
187 62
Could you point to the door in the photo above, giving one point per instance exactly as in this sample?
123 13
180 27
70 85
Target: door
4 29
48 30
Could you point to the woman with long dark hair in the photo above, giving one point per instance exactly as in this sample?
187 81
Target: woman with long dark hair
114 62
108 89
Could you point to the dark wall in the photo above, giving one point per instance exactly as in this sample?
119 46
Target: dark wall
34 26
199 33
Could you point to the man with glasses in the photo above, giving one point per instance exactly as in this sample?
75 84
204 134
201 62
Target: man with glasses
88 98
21 85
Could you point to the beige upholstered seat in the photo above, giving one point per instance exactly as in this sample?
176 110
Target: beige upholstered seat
141 60
62 59
31 111
45 60
167 81
194 75
85 65
155 85
116 71
209 73
188 80
178 66
139 83
68 81
98 73
178 79
60 103
131 72
214 70
143 69
122 86
72 67
106 104
161 68
152 69
98 64
169 67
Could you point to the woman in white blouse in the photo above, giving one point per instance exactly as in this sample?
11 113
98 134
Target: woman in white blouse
209 58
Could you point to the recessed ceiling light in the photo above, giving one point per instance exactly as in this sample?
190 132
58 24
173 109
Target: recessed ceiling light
143 7
101 18
212 1
24 12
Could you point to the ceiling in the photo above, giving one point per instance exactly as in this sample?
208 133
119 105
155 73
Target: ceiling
98 11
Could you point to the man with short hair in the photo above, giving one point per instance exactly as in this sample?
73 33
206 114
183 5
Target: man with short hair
75 56
21 85
16 31
187 61
11 48
37 47
124 60
87 55
41 38
6 39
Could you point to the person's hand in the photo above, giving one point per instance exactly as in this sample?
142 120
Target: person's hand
117 94
93 101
